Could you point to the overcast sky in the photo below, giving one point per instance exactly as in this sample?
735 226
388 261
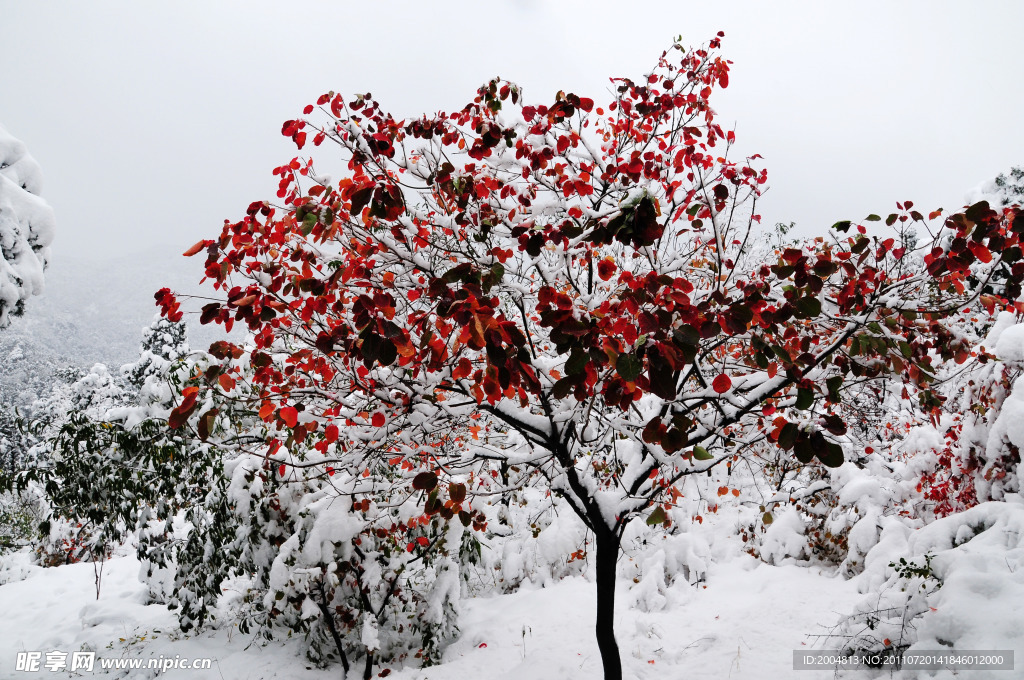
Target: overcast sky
154 122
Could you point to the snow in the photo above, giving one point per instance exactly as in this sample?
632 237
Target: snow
1010 345
1009 425
785 540
370 635
743 622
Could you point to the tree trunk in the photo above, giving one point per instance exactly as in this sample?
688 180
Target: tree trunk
368 669
607 556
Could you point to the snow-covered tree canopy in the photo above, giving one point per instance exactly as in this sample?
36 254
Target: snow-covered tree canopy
579 293
26 228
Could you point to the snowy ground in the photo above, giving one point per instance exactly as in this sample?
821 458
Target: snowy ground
744 622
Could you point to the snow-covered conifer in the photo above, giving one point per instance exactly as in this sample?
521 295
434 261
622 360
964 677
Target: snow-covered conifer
163 342
26 228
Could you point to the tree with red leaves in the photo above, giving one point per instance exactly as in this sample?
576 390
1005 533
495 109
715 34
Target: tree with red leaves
576 292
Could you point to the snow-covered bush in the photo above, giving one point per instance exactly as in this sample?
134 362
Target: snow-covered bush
26 228
19 520
970 450
69 410
348 560
532 538
360 573
942 586
85 474
1005 190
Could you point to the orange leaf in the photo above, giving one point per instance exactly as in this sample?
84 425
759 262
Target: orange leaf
194 249
405 349
247 300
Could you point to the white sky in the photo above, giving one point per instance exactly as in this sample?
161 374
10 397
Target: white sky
154 122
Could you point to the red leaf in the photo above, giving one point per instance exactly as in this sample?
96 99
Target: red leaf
792 255
290 416
462 369
222 349
331 433
424 481
980 251
606 269
721 384
378 420
423 540
188 404
177 418
281 470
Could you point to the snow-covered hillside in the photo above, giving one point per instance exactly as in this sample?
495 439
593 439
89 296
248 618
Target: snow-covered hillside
92 311
742 620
